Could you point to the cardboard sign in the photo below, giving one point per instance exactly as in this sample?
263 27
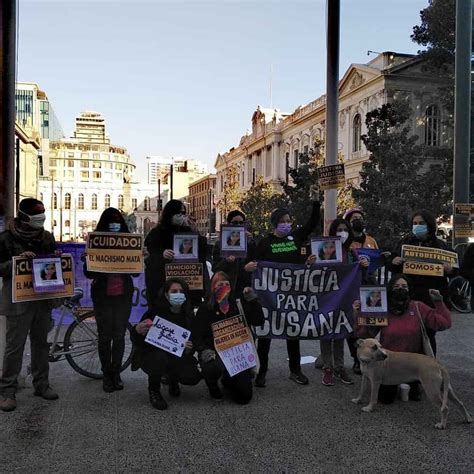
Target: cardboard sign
331 177
463 220
22 286
232 340
113 252
415 253
422 268
191 273
362 321
327 250
233 240
168 336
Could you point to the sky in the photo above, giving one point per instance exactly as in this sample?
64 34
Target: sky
183 78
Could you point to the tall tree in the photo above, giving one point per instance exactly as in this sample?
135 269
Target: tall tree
231 196
400 176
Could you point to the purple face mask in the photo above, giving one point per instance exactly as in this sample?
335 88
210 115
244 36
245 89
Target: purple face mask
284 229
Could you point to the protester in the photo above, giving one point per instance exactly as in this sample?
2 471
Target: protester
423 234
112 298
234 266
332 351
403 334
25 237
220 305
467 270
159 244
174 306
285 246
356 219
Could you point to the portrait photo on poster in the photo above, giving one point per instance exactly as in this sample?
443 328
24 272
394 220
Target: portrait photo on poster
185 246
373 299
233 240
47 274
327 249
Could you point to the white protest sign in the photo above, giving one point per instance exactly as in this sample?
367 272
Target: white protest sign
168 336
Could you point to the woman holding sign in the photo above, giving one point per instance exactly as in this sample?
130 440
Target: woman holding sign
285 245
159 243
423 234
219 307
403 333
173 306
112 298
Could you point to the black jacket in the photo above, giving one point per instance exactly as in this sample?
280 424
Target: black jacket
99 284
157 241
206 316
467 266
421 284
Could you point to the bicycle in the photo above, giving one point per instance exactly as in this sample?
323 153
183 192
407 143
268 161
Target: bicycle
460 292
80 343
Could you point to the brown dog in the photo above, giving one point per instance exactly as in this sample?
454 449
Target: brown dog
381 366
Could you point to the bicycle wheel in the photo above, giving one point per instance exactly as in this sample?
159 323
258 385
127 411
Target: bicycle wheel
80 343
460 291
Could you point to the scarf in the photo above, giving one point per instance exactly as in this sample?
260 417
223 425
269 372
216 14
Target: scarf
221 295
25 233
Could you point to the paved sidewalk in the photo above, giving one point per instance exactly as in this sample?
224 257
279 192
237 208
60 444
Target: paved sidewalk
286 428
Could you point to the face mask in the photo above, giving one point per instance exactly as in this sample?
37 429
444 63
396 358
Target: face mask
420 230
36 221
177 299
344 235
284 229
399 299
400 294
115 226
358 225
178 219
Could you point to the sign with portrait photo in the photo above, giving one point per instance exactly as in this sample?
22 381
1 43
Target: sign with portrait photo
327 250
47 275
23 287
233 241
373 301
186 247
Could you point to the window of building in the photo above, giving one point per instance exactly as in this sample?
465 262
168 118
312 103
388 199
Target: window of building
84 164
55 224
118 166
53 162
70 154
96 156
67 223
134 203
67 201
107 166
84 155
80 201
306 149
96 175
146 204
96 164
107 200
357 132
70 163
84 175
296 154
55 201
53 174
120 201
432 123
69 174
94 202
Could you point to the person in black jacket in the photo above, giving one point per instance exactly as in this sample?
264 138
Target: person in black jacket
423 234
234 266
174 306
220 305
159 244
467 270
112 298
286 246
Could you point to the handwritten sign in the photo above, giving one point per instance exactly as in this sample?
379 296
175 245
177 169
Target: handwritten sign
168 336
191 273
232 340
464 220
23 287
331 177
111 252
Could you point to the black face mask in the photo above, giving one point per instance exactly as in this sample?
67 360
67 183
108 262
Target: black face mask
358 225
399 299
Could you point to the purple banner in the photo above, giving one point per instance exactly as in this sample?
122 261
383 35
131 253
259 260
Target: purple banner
301 302
139 304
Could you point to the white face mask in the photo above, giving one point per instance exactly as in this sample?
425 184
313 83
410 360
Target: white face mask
178 219
36 221
344 235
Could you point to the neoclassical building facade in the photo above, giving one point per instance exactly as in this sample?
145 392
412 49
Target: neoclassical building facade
277 139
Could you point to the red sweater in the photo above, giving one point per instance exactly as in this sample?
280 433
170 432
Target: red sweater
403 333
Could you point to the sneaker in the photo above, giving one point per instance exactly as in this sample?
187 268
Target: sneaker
343 376
157 401
327 378
117 381
108 383
260 380
356 368
48 394
8 403
173 389
299 378
318 363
